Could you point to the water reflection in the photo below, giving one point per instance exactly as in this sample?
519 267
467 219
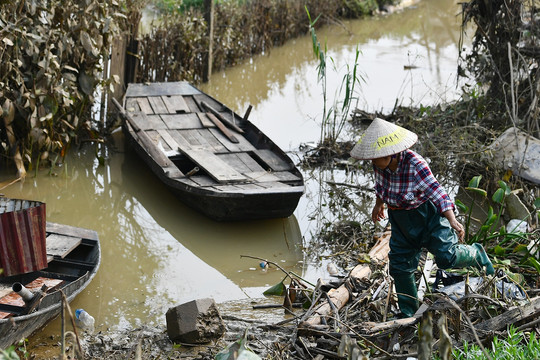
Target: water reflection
156 252
282 86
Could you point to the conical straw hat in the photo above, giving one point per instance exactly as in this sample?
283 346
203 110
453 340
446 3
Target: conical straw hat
382 139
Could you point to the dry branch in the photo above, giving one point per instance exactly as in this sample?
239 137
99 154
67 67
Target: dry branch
340 296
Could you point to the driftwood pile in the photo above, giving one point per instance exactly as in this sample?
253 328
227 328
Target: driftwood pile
357 318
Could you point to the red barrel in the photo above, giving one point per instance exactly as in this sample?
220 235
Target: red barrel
22 236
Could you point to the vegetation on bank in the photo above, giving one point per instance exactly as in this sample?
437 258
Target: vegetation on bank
52 55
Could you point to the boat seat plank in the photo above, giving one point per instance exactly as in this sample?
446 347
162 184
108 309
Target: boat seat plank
275 162
161 89
157 104
68 230
182 121
175 104
214 166
205 121
145 106
60 245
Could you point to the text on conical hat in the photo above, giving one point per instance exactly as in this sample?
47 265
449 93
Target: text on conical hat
391 139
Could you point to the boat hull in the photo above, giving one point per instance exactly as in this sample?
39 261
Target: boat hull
77 271
237 174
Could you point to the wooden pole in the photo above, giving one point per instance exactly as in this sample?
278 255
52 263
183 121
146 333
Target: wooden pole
209 17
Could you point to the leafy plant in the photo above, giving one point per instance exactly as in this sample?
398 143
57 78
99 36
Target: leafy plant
515 346
334 116
52 54
9 354
491 229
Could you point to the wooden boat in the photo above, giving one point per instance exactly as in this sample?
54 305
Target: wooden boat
214 160
73 257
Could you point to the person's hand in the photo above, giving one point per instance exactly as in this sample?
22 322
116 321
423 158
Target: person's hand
378 212
456 225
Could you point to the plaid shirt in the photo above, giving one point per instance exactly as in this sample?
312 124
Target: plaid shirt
411 185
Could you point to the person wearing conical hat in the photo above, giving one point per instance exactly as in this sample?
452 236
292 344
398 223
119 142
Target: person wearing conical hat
420 212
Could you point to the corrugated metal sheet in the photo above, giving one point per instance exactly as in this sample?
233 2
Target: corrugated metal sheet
22 236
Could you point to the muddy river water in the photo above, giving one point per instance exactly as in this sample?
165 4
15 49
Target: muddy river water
157 253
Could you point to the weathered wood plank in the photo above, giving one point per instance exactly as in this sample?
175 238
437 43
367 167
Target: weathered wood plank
214 166
61 245
145 106
273 160
182 121
161 89
250 162
286 176
175 104
213 143
205 121
132 105
182 142
192 138
69 230
158 105
169 140
235 162
262 176
192 105
242 145
203 180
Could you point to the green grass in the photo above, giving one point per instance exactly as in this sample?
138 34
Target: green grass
516 346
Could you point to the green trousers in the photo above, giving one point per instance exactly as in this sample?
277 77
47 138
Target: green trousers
414 230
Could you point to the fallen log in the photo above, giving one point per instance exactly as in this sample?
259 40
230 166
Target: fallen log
340 296
512 316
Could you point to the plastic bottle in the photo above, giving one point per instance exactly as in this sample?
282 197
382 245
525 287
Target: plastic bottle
84 320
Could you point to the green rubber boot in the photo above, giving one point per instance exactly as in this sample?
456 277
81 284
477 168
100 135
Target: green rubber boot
406 294
473 255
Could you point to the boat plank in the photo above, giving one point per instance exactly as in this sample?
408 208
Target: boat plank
286 176
145 106
234 161
182 121
161 89
145 122
171 143
205 121
182 142
157 104
240 146
71 231
60 245
203 180
175 104
262 176
194 141
214 166
213 143
272 160
250 162
192 105
132 105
